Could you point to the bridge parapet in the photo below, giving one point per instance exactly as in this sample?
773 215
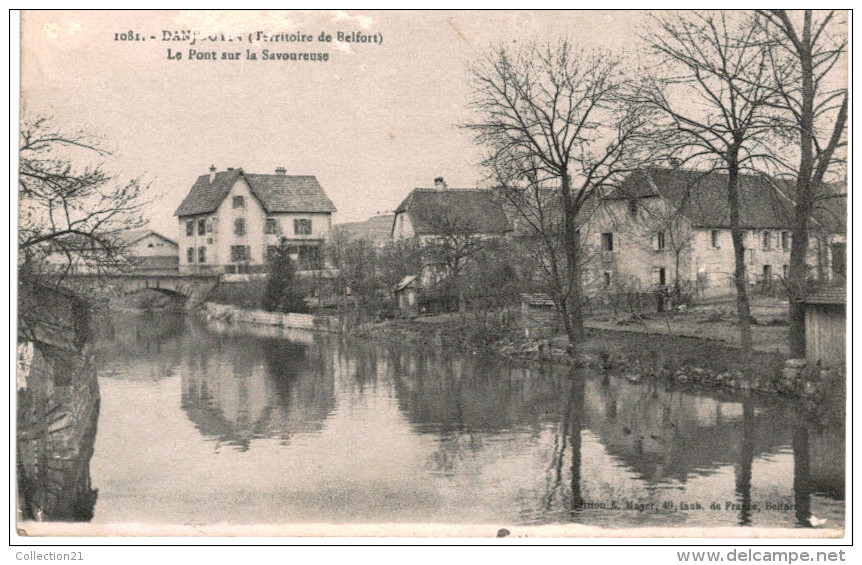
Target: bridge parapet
192 287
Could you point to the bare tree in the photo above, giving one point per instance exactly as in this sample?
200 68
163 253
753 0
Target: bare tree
716 93
357 263
71 208
456 241
811 44
556 134
398 259
665 225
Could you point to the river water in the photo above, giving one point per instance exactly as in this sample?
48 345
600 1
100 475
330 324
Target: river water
205 423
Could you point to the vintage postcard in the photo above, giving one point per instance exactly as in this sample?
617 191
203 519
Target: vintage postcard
458 274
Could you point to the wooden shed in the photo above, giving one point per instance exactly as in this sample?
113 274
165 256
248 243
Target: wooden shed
826 327
538 315
407 294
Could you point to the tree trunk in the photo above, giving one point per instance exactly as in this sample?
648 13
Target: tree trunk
743 310
797 272
571 239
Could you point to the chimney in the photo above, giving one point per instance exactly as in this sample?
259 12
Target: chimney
440 184
212 173
280 171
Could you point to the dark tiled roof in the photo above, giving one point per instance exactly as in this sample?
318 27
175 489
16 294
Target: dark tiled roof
277 193
377 229
473 207
702 196
283 193
828 296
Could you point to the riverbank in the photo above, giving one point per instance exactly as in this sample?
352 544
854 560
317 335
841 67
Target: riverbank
637 355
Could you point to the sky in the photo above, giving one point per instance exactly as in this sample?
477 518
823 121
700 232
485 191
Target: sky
371 123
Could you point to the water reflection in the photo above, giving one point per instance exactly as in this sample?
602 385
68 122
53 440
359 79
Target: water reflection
436 436
235 393
663 438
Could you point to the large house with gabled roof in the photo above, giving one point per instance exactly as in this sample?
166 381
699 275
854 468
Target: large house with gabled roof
667 224
230 221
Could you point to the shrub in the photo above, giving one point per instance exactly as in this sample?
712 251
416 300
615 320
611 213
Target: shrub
283 290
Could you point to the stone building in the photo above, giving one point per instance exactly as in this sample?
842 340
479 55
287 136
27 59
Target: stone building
664 225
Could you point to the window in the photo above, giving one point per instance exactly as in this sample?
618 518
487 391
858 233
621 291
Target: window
713 239
607 242
271 251
202 226
607 279
270 226
190 255
767 272
190 227
633 208
202 254
767 240
662 276
209 225
785 270
659 241
302 227
240 253
239 226
785 240
239 202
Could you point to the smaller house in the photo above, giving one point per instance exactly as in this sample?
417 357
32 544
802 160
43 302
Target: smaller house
448 219
429 213
826 327
407 295
150 252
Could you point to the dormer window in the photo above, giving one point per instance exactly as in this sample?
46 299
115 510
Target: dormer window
238 203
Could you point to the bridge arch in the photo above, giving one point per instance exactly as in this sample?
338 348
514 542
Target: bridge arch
191 288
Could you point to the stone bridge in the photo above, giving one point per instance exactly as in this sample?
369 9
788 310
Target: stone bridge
190 288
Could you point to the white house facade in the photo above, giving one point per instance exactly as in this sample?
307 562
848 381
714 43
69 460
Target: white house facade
231 221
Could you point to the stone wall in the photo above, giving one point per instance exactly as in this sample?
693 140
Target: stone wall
57 409
239 315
